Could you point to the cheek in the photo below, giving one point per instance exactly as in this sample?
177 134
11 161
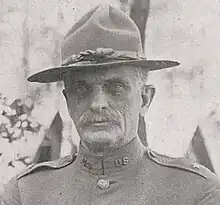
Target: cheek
75 108
129 107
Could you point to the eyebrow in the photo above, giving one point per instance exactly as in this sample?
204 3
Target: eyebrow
76 83
118 79
108 80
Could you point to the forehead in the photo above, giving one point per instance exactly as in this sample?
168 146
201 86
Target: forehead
93 74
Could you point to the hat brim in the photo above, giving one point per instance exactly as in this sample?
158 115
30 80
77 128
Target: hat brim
56 73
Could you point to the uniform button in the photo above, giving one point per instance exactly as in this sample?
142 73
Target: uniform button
103 184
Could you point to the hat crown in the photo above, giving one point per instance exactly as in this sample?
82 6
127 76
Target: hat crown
104 37
102 27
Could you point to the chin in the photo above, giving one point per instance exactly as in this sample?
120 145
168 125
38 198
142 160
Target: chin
102 138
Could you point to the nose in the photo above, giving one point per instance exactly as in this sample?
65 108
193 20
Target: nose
99 101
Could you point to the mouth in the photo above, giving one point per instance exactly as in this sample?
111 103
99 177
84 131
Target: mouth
99 123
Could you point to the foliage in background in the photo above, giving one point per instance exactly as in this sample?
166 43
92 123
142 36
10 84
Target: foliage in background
17 123
23 133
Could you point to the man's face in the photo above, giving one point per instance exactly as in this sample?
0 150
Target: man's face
104 105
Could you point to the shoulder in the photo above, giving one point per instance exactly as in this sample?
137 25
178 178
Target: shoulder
183 164
49 165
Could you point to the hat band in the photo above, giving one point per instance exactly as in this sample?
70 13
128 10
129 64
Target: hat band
102 55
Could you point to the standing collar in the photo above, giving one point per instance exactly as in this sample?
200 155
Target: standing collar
116 161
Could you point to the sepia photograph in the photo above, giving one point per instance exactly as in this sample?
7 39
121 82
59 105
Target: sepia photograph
109 102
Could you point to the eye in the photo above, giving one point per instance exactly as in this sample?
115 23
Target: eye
79 88
116 88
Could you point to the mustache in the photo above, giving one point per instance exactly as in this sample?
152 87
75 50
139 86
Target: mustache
90 117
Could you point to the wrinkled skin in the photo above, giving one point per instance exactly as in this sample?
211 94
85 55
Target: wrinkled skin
105 105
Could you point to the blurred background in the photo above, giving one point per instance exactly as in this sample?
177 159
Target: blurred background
184 119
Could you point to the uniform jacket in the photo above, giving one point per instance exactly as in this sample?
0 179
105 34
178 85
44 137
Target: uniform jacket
131 176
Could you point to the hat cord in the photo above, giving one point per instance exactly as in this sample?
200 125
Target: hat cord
102 55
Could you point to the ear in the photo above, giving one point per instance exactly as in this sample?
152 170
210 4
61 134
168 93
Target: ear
148 92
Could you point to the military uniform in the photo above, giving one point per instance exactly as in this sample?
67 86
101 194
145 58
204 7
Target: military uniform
132 175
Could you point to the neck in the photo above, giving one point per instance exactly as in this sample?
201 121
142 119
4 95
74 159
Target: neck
112 161
96 149
100 149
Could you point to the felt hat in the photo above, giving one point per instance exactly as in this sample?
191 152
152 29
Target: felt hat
104 37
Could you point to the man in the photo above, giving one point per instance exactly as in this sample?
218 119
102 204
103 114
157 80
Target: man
104 73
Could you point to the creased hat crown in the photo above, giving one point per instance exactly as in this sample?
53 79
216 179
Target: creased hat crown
105 36
102 27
